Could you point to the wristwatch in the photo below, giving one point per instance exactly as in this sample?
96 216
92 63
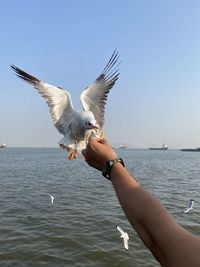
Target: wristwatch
108 166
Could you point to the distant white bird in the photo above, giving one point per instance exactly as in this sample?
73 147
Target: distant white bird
190 206
52 198
125 237
77 126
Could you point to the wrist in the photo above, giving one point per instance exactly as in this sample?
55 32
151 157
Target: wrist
109 166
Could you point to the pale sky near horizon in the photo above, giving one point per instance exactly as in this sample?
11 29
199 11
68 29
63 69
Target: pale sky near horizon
68 43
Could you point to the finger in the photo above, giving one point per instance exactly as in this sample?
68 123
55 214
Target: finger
103 141
100 141
91 137
93 141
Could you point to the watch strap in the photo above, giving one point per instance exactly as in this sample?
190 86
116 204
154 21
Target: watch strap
108 166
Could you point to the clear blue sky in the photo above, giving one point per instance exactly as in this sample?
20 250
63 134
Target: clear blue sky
67 43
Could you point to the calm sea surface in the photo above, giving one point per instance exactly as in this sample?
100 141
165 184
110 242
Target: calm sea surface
79 228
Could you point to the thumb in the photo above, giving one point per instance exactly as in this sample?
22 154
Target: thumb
92 137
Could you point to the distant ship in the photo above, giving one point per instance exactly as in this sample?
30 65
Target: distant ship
197 149
3 145
163 147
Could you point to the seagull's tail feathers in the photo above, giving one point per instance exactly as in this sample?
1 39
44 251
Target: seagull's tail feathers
65 144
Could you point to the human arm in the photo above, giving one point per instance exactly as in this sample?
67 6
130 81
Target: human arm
171 244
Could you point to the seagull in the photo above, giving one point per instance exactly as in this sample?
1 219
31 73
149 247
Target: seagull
52 198
190 206
77 127
125 236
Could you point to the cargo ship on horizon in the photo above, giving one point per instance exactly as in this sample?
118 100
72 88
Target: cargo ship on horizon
163 147
197 149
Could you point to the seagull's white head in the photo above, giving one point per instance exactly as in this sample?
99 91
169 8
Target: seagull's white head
88 121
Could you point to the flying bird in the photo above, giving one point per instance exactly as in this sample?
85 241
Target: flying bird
190 206
52 198
76 127
125 237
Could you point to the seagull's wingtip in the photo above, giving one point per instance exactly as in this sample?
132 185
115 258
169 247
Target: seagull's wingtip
13 67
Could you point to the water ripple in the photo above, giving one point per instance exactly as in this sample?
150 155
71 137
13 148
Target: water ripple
79 228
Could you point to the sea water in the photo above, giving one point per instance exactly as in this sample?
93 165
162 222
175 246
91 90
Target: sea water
79 229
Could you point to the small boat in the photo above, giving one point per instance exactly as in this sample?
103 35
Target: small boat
3 145
197 149
122 146
163 147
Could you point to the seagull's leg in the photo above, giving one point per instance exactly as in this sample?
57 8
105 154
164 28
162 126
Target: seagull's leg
73 153
69 153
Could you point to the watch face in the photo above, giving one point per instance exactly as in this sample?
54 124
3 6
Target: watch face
111 162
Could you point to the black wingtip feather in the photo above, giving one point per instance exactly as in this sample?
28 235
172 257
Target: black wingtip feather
24 75
114 58
111 70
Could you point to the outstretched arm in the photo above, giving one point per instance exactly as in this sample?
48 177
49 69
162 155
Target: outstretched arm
171 244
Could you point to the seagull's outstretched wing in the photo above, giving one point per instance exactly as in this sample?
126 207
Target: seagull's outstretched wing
187 210
94 97
52 198
58 100
126 238
191 203
120 229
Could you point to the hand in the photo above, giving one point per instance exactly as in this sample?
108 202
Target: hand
98 152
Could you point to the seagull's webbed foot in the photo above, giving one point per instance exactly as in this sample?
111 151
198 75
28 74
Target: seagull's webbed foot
72 154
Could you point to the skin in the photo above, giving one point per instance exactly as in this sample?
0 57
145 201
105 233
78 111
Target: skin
170 244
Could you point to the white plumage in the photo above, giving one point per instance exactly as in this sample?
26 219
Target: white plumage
76 127
125 237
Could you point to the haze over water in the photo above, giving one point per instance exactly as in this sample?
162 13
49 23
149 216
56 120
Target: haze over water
79 228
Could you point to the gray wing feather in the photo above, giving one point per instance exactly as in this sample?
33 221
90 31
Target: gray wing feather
191 204
58 100
94 97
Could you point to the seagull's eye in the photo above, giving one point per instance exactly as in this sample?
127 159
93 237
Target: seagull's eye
89 123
